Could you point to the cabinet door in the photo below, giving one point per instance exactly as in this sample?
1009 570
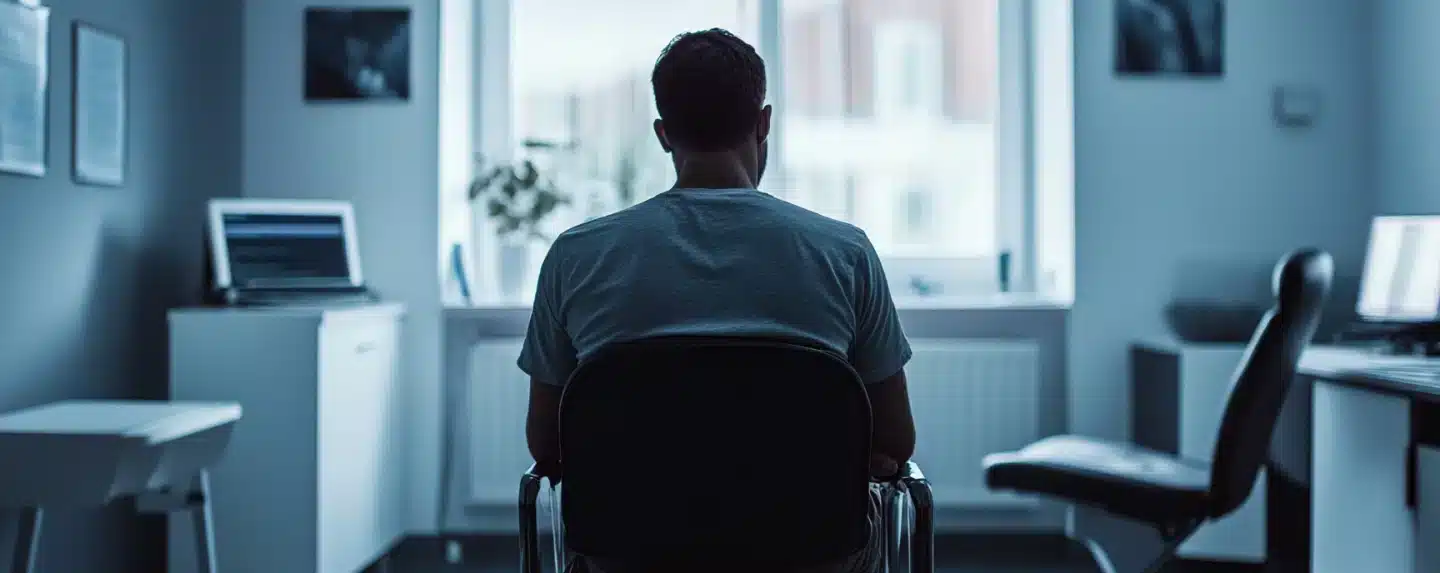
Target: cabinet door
357 414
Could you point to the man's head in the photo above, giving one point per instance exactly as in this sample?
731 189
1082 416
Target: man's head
710 92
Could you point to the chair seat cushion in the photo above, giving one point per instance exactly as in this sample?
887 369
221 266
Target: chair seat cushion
1121 478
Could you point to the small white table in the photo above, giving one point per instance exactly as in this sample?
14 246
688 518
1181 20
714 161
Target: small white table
89 453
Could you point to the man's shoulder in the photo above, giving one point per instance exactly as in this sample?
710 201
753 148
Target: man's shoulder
599 227
825 230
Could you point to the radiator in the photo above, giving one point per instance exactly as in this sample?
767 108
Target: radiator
971 397
499 395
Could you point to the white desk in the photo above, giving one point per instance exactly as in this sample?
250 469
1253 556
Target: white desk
1376 463
86 453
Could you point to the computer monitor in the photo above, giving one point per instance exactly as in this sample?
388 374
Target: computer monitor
1401 282
258 244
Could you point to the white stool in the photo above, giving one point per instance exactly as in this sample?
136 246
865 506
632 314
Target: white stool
91 453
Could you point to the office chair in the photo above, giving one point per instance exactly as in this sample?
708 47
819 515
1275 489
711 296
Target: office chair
1132 507
721 454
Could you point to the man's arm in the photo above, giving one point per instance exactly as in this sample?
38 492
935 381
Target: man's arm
542 424
548 357
879 354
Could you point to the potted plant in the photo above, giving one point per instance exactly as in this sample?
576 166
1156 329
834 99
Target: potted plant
518 197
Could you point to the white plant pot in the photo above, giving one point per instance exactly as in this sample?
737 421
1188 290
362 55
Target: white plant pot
514 269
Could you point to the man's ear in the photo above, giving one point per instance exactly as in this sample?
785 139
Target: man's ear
660 135
762 130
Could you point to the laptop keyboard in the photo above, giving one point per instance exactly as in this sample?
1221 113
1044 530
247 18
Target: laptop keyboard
301 298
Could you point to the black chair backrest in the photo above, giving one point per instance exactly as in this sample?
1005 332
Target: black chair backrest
686 451
1263 379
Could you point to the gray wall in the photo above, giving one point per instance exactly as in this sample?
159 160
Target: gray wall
1187 188
1407 85
89 272
384 157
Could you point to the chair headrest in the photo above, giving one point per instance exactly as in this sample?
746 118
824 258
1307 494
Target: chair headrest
1302 279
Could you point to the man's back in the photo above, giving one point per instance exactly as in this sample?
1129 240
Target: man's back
717 262
716 257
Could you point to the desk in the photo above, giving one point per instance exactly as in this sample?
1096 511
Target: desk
89 453
1375 473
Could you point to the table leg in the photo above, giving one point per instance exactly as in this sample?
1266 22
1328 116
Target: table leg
204 521
27 541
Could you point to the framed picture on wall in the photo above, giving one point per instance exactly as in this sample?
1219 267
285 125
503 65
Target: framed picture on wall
24 89
357 54
100 94
1170 38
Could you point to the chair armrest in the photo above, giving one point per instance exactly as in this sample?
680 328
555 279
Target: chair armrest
547 472
530 485
909 472
910 480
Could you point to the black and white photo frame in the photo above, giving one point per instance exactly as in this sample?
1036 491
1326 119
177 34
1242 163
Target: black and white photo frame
357 54
1170 38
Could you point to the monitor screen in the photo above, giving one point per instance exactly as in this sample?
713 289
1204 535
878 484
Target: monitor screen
272 250
1402 270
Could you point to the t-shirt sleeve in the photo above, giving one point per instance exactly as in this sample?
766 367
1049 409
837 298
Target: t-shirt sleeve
880 348
548 356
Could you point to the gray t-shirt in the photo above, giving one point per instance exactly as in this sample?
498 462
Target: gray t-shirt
726 262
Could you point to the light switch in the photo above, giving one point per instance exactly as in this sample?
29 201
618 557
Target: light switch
1296 106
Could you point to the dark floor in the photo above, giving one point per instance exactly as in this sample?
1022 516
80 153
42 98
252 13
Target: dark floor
953 554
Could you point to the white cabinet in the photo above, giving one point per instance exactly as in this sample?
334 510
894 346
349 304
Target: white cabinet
1359 520
1178 395
314 480
1427 510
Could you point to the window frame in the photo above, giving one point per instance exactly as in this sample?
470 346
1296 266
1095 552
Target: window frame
1015 196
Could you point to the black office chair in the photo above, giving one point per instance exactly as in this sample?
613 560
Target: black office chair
715 454
1132 507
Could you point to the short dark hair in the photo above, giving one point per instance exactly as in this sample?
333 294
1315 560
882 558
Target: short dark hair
709 88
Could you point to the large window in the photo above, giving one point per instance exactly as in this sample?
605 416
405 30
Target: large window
909 119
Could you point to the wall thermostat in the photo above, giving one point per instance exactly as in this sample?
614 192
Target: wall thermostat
1296 106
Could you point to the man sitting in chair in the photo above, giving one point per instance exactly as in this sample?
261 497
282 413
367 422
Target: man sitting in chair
714 256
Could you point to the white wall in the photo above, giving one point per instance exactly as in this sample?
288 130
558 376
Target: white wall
1187 188
383 157
1407 84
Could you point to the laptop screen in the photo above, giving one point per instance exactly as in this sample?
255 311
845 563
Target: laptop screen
1401 282
286 250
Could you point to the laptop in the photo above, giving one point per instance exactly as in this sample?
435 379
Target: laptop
293 252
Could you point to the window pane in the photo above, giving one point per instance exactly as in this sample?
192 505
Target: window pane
889 117
886 118
583 106
581 80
